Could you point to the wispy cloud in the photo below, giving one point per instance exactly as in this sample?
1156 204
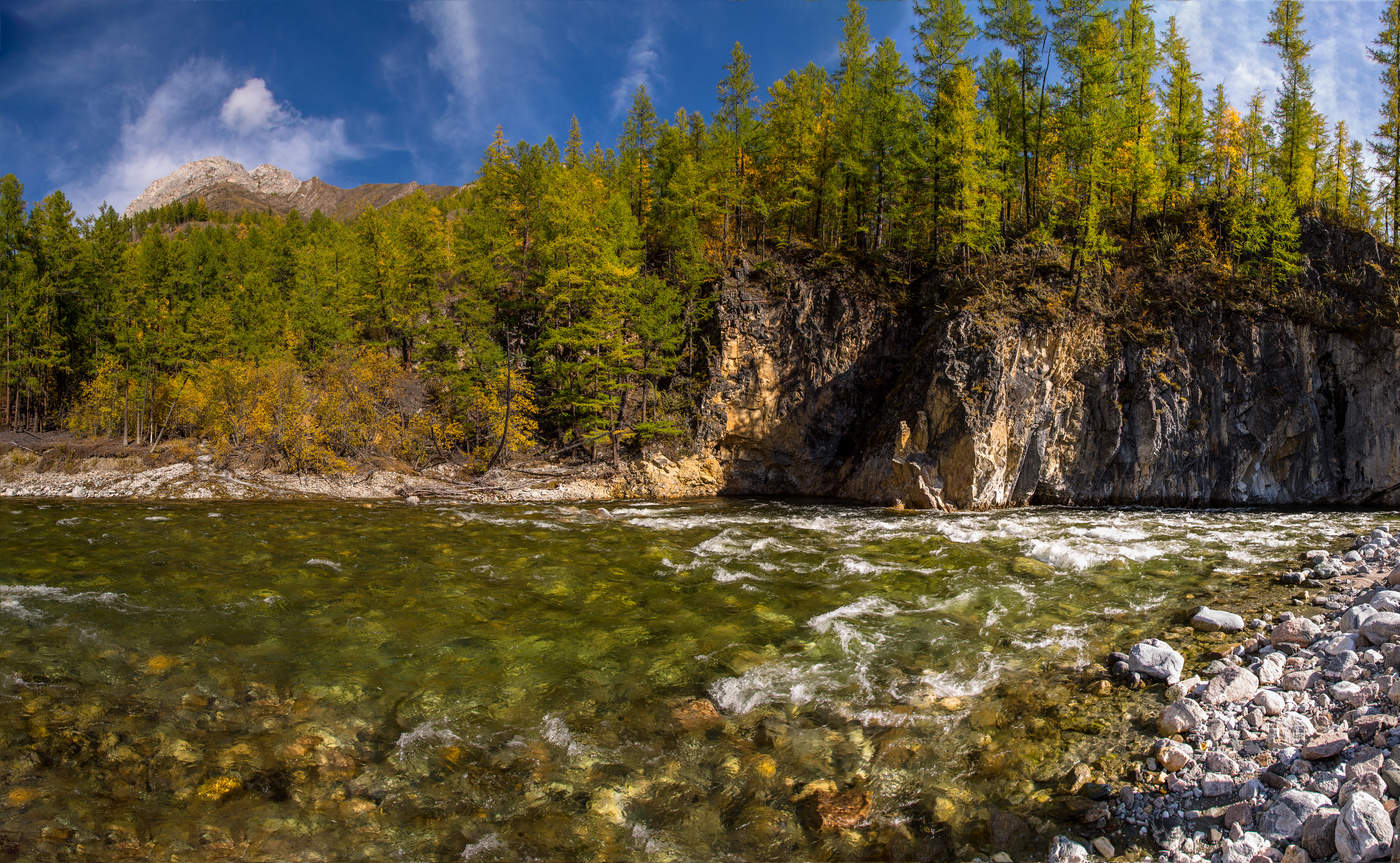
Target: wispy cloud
202 109
455 52
1226 39
643 69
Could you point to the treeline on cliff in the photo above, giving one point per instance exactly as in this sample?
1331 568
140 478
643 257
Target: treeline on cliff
563 301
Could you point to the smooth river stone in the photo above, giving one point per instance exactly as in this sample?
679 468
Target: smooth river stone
1300 631
1180 717
1210 620
1156 659
1234 685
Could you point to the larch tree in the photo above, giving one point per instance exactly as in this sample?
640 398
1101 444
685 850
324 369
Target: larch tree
1183 123
1294 117
1137 154
734 122
1385 143
852 116
1015 24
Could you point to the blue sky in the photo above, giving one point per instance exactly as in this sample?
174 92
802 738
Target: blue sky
100 98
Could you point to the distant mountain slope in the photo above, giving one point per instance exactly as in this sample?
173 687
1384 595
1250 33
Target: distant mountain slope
227 186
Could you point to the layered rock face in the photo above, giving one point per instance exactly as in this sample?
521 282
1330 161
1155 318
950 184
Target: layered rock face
226 185
823 389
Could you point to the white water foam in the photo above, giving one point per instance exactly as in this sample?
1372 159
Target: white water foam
866 605
432 732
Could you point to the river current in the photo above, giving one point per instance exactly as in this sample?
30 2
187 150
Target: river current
745 680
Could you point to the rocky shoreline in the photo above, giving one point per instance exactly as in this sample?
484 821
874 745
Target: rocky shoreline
1286 748
181 471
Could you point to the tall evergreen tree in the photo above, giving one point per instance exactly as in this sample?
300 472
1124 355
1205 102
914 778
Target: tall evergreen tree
1294 117
1183 124
1015 24
1385 143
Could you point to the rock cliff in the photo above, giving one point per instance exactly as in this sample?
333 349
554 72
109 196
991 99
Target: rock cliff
227 186
826 386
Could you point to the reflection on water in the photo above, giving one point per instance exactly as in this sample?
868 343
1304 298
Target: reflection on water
325 681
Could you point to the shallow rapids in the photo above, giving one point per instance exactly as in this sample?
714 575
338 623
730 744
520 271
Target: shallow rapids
344 681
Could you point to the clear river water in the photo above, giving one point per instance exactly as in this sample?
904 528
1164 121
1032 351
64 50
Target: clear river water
720 680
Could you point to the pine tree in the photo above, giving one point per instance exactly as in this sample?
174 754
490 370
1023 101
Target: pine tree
1385 143
971 212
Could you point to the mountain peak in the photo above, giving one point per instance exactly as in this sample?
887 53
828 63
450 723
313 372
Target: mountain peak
193 177
227 186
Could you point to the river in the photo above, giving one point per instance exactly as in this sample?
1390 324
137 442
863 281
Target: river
339 681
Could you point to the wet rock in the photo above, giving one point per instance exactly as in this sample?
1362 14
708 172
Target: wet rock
1104 848
1066 850
1364 831
1180 717
1299 630
1326 745
1234 685
698 715
1156 659
1007 830
825 808
1209 620
1283 821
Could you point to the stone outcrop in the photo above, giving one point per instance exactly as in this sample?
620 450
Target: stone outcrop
227 186
825 386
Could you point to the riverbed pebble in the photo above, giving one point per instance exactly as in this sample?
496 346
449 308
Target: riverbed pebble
1289 750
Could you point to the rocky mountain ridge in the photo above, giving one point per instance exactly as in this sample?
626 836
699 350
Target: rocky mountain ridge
225 185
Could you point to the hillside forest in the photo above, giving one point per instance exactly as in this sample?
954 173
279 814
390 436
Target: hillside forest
563 302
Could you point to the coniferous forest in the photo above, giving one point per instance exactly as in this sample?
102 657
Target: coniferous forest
563 301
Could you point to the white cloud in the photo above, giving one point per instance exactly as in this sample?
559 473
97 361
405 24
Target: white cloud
251 107
643 68
455 52
201 110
